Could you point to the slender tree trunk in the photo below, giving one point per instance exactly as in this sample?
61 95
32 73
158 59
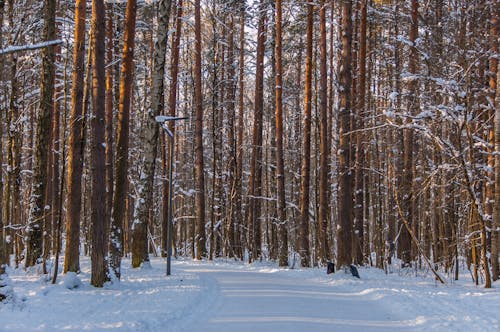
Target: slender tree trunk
11 193
76 145
240 151
254 187
280 169
200 176
122 133
231 138
37 216
324 254
110 40
360 163
306 145
408 149
4 257
172 102
495 94
345 200
97 153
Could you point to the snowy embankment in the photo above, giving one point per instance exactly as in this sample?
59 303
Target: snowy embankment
229 296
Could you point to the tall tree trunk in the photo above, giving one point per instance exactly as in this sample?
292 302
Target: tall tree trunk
11 194
231 138
360 108
324 254
38 202
239 152
306 145
110 40
172 105
150 129
345 200
97 153
76 145
255 186
280 167
495 96
4 257
200 176
408 150
122 133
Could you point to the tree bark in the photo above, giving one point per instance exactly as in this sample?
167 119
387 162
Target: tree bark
306 145
97 153
200 176
4 258
324 147
495 96
150 129
76 145
240 134
110 40
254 187
359 173
408 149
345 200
122 133
37 215
280 167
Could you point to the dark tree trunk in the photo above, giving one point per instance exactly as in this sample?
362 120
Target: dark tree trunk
345 200
200 176
280 167
97 153
254 187
324 147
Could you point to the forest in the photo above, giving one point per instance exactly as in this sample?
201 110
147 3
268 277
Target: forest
361 132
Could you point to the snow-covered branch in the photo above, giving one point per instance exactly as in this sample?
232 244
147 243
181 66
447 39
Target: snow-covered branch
13 49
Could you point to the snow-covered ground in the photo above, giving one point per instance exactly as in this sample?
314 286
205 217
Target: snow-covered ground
232 296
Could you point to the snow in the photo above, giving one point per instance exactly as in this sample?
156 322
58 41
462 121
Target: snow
234 296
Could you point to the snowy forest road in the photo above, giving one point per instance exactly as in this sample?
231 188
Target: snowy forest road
229 296
265 301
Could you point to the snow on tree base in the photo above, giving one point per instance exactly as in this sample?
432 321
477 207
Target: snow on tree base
71 281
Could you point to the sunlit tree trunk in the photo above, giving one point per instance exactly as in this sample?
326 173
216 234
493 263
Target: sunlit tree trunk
122 145
75 150
304 251
110 40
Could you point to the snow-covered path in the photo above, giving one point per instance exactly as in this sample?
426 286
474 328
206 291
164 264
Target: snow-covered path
228 296
266 301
